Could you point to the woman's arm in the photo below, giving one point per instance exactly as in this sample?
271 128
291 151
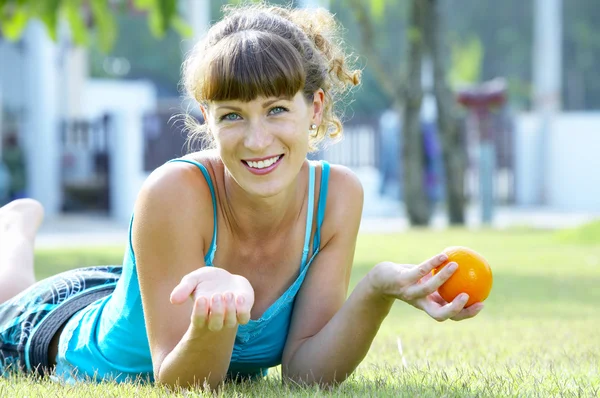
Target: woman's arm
324 326
330 336
333 353
172 228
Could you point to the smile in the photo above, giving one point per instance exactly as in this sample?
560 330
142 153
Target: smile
262 166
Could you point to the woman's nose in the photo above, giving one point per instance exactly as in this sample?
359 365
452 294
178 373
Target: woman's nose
258 137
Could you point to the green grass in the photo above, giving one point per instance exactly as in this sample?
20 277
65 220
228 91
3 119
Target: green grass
586 234
539 334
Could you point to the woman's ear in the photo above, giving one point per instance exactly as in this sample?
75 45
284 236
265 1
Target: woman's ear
204 113
205 116
318 105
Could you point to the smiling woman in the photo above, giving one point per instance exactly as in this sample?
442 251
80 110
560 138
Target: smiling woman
239 257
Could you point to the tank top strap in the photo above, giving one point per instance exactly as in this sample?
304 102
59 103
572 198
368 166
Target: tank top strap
322 204
213 244
309 213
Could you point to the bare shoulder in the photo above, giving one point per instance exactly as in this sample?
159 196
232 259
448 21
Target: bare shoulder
344 201
342 177
176 196
180 182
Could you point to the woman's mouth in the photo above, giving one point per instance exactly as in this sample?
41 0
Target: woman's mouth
262 166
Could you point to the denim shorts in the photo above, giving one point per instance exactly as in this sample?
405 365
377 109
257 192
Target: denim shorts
29 321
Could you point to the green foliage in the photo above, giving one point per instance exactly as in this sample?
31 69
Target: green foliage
105 21
413 34
13 23
161 16
48 13
377 9
181 27
156 60
71 12
467 58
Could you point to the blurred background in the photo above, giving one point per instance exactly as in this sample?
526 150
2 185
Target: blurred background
475 113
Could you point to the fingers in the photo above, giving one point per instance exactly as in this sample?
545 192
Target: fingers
432 284
243 308
448 311
217 313
468 312
230 311
221 311
200 312
416 273
184 289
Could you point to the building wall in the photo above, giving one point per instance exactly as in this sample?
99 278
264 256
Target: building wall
563 172
11 76
126 102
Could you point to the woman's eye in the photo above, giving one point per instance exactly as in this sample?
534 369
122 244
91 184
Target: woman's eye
277 109
230 117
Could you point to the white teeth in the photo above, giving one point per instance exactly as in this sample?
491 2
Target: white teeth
261 164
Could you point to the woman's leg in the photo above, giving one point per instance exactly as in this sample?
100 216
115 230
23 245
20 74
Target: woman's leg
19 222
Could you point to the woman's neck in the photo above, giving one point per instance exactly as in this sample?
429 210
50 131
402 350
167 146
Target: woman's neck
252 217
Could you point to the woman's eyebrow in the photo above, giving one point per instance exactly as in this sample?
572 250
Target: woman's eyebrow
233 108
270 102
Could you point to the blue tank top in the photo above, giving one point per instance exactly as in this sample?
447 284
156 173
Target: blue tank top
108 339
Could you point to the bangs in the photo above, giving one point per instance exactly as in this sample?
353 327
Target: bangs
250 64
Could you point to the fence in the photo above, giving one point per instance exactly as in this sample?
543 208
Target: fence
164 137
85 164
359 147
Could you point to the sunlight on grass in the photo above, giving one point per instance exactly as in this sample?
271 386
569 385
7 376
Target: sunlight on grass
587 234
539 334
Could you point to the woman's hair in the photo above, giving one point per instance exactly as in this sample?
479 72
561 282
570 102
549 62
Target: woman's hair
262 50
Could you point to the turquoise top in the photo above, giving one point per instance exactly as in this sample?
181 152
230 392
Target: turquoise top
108 339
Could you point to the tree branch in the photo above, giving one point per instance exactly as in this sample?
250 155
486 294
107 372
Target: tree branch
393 87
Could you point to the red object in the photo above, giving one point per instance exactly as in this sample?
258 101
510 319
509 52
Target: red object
481 99
489 94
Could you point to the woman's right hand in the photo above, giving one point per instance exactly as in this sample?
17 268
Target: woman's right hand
221 299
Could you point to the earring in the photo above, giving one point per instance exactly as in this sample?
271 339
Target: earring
313 126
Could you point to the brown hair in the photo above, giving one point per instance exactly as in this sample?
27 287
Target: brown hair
262 50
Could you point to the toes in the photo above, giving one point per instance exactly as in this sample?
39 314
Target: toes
22 215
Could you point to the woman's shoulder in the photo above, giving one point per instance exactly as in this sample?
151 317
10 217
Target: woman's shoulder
184 169
343 184
182 182
176 201
344 200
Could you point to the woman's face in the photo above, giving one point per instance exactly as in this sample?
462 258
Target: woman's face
263 143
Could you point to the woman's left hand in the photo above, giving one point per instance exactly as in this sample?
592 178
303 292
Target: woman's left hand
415 285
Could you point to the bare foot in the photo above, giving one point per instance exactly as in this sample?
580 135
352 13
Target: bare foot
19 222
21 216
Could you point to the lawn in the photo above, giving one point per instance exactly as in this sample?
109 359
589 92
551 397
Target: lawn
539 334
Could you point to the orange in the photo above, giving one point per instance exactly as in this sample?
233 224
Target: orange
473 276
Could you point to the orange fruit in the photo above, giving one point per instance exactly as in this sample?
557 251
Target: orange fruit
473 276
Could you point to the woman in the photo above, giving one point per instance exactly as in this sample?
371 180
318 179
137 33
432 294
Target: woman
239 258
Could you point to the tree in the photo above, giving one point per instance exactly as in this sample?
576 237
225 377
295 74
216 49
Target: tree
424 33
454 152
82 15
415 197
